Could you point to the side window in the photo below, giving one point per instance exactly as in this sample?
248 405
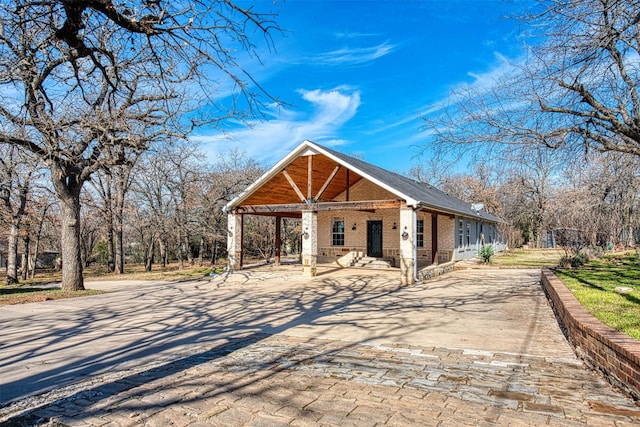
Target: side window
420 233
468 233
460 233
337 232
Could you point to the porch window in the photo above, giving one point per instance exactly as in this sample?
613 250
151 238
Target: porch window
460 233
420 233
337 232
468 233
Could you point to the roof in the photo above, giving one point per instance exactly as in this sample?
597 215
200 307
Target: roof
417 194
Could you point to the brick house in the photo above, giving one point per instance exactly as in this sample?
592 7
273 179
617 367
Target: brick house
353 211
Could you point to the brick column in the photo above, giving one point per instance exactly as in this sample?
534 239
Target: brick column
309 243
234 241
407 246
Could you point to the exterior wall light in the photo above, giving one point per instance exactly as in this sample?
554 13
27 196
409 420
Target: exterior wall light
354 226
395 226
305 235
404 234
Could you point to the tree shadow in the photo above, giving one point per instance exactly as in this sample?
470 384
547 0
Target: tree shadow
191 323
593 285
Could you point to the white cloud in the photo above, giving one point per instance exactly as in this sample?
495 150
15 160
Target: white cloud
270 140
353 56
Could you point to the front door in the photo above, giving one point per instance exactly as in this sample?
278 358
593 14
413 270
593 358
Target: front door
374 239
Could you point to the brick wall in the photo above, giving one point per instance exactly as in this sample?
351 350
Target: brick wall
611 352
356 240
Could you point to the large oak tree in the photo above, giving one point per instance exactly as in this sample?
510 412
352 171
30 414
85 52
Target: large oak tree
83 83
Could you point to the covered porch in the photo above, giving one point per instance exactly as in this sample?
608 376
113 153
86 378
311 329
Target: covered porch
349 210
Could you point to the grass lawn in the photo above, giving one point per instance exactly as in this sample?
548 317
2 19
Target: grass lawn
537 258
594 286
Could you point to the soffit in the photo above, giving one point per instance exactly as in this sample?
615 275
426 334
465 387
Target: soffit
278 190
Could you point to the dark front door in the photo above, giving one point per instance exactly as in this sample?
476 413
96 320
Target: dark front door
374 239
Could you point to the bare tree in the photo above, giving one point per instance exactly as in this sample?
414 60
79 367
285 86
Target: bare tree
153 208
42 208
83 82
229 176
577 89
112 186
18 171
602 198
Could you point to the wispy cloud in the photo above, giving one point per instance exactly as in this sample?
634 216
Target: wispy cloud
480 84
353 35
350 56
271 139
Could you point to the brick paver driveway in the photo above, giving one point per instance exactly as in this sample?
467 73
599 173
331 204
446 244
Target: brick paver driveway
268 347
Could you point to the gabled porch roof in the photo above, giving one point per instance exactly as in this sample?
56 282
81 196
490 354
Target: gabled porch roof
312 173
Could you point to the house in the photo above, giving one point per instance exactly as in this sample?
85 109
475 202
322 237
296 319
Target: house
351 209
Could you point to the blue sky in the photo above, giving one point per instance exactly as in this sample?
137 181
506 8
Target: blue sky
357 74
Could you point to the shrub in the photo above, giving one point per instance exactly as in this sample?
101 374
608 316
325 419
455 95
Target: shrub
486 252
580 259
574 261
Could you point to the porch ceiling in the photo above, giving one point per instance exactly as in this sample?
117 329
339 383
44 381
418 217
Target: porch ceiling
309 182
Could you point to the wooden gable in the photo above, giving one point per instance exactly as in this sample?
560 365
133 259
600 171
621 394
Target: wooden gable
308 177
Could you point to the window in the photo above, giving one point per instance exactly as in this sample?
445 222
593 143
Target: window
420 233
460 233
337 232
468 233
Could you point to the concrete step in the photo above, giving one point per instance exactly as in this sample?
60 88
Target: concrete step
371 262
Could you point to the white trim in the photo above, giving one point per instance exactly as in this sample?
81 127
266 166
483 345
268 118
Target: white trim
307 148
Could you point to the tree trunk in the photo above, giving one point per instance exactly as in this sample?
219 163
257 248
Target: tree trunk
111 251
118 219
25 258
214 250
110 248
12 255
201 252
180 253
188 251
72 279
163 252
119 245
36 250
150 252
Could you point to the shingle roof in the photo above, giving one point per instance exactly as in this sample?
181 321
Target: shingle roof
426 195
413 192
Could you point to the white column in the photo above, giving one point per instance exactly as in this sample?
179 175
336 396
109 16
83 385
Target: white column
407 246
309 243
234 241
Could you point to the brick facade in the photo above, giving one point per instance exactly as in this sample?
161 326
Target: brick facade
355 241
615 354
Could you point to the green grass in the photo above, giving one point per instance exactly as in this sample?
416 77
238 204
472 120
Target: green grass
594 286
537 258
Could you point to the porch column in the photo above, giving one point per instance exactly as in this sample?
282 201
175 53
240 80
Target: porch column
234 241
309 243
278 242
407 245
434 239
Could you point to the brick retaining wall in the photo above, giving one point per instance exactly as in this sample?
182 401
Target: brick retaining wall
615 354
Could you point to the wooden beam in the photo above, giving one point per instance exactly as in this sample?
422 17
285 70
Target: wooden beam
294 186
431 211
309 178
327 182
325 206
348 185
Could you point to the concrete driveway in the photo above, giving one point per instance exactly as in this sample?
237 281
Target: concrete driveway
266 346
